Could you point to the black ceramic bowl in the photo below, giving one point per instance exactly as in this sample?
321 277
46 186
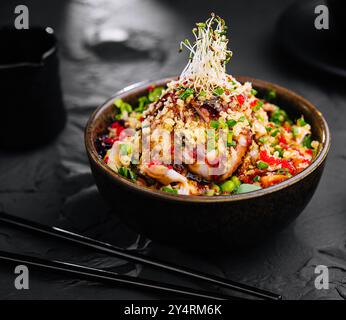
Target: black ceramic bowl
208 222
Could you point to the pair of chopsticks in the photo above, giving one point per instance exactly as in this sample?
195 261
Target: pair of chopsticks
114 278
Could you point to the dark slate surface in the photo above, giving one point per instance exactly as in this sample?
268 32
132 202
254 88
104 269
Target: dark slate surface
53 185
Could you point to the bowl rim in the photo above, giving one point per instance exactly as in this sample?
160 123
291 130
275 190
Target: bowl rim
93 155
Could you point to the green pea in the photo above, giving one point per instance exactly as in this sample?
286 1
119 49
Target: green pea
236 181
215 188
228 186
210 192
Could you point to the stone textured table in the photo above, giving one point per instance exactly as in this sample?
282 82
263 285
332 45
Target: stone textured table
53 185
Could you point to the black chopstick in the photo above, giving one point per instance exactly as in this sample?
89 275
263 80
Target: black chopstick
134 257
99 275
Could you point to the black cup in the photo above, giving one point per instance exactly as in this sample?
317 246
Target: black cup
31 104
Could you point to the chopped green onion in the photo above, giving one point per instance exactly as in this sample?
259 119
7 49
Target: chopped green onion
278 116
262 140
214 124
280 150
122 107
222 124
301 122
169 190
258 106
257 179
229 138
275 132
122 171
202 94
283 171
262 165
155 94
295 131
127 173
254 91
218 91
232 144
307 142
271 94
242 119
188 92
268 128
142 103
231 123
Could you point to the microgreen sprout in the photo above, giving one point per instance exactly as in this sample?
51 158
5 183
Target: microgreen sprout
206 69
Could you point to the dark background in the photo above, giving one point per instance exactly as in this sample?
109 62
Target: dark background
53 185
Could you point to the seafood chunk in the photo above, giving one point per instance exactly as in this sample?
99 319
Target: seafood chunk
166 176
163 174
233 159
268 181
